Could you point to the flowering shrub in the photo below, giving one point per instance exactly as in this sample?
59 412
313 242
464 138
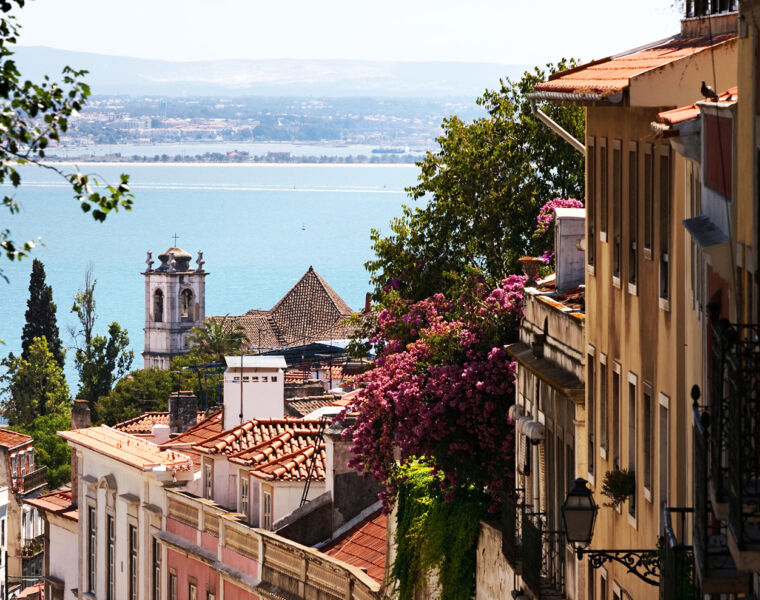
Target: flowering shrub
441 389
546 214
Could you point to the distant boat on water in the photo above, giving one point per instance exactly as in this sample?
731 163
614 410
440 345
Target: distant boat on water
303 227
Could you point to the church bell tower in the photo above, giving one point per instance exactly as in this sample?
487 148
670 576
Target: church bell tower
175 302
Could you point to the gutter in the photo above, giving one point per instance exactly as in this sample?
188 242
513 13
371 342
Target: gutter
553 125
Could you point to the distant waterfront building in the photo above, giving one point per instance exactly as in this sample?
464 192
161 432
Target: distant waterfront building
175 302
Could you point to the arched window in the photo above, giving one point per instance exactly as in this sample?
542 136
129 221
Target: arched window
158 306
187 305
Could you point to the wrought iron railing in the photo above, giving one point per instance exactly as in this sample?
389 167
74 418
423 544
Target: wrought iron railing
543 554
30 481
510 532
709 538
704 8
677 580
719 399
742 374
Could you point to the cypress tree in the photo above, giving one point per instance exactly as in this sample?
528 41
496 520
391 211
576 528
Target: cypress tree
40 316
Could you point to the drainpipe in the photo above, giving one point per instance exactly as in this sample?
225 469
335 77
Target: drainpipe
555 127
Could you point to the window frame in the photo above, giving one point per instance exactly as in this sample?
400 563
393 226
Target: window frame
110 557
633 217
133 562
604 211
92 548
664 229
648 238
633 445
591 169
604 432
617 210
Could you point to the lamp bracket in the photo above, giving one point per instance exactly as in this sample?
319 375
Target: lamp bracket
645 564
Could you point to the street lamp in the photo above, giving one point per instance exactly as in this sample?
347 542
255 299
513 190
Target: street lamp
579 514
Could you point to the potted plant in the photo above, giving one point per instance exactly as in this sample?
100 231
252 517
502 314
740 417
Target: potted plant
618 485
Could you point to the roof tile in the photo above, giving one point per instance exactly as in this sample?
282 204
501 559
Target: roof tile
363 545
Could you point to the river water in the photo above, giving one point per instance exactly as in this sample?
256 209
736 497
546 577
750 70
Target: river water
260 227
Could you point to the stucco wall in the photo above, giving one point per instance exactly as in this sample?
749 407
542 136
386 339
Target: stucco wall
494 577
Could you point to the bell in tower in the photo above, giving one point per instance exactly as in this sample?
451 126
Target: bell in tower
175 302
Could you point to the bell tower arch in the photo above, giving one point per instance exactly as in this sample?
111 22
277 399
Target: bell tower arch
175 302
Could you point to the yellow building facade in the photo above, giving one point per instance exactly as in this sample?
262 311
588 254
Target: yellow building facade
638 409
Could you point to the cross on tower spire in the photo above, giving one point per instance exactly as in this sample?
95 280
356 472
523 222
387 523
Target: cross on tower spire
176 237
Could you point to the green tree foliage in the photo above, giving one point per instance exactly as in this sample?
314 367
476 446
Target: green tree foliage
482 192
31 116
34 386
40 316
99 360
140 391
218 338
433 533
50 449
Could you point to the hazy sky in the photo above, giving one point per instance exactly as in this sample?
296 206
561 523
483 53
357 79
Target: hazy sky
499 31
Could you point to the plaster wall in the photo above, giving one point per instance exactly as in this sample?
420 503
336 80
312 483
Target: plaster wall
260 399
494 576
679 83
63 563
640 336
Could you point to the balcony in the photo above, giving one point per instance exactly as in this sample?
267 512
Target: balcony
30 481
511 544
33 547
715 568
543 558
735 455
676 558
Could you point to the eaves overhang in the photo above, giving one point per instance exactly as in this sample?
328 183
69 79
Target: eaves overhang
550 373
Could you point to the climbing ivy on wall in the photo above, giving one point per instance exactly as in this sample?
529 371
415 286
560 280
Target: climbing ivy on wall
435 533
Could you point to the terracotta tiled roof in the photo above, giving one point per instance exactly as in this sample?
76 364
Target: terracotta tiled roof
297 375
286 457
143 424
11 439
310 311
686 113
207 428
254 432
58 502
129 449
613 74
300 407
363 546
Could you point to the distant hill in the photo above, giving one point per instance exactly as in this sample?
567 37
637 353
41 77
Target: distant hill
282 77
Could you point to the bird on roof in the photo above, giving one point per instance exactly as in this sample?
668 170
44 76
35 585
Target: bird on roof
709 93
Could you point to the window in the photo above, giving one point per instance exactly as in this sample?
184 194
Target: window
208 479
264 378
2 534
132 562
591 202
110 560
603 586
210 595
273 379
664 465
267 509
590 424
186 305
648 201
156 569
603 189
172 585
22 462
633 213
244 493
158 306
664 219
617 202
632 415
30 460
603 418
616 415
14 462
92 540
648 442
192 590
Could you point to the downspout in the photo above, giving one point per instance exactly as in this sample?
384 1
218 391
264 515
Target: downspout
556 127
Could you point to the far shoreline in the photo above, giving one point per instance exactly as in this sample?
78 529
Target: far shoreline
223 163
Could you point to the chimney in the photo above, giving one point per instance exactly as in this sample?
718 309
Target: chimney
80 414
183 411
367 303
351 491
569 259
80 419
